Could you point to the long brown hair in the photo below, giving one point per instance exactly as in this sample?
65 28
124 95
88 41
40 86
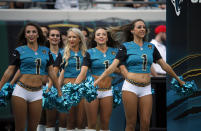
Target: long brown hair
110 43
21 36
123 33
61 41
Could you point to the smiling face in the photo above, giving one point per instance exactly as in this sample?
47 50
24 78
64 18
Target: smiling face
101 37
31 34
139 30
54 37
73 39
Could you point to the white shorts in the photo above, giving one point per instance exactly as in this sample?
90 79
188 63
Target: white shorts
139 91
29 96
102 94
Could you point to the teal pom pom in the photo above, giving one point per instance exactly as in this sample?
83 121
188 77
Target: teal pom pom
185 90
90 91
52 101
73 92
117 96
63 105
49 98
5 94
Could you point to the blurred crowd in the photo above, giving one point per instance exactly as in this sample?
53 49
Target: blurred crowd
84 4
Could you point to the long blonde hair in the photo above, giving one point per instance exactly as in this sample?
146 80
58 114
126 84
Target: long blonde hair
82 45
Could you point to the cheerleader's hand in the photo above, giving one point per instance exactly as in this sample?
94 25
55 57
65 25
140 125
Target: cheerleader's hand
1 85
95 83
48 89
182 83
59 93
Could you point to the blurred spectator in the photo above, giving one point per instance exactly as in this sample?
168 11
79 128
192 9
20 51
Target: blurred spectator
67 4
28 4
124 5
37 4
151 5
51 5
159 41
13 5
17 5
130 5
4 5
103 6
162 6
139 5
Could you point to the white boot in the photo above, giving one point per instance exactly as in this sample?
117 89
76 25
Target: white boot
62 129
41 127
50 129
90 129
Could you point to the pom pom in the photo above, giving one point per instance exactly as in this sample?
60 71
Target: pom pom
62 104
90 92
5 94
116 96
49 98
73 92
52 101
185 90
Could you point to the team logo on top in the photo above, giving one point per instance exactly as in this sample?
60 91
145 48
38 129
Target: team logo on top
44 51
150 46
113 53
177 6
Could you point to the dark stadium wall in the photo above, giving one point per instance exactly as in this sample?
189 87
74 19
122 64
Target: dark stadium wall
184 55
4 48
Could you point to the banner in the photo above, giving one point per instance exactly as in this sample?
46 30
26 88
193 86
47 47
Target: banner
184 55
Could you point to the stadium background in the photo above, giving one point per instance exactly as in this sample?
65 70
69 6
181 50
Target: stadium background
12 20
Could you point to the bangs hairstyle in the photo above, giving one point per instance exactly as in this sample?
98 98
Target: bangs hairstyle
82 44
61 41
110 43
21 36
